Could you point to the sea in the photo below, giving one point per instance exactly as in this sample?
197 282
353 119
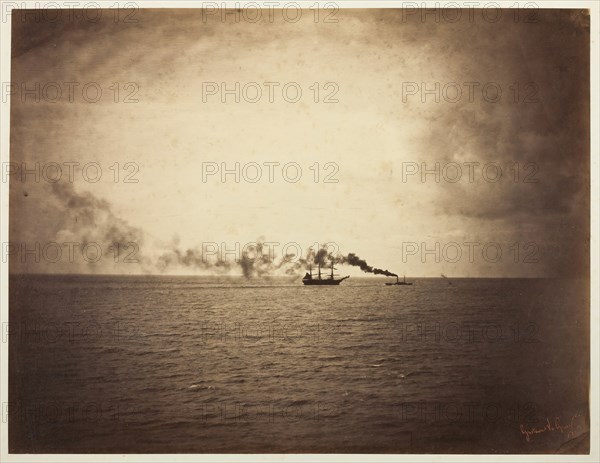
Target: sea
198 364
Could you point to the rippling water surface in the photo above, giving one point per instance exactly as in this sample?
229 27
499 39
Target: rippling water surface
214 364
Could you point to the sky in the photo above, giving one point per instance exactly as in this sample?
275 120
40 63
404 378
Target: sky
165 125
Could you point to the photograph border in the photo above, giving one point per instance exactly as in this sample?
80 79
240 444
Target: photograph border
594 456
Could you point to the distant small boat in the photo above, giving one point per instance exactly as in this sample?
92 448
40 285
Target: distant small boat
399 283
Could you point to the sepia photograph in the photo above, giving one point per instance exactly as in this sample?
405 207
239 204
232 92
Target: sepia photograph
299 231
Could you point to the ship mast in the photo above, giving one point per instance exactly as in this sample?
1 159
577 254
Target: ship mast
332 269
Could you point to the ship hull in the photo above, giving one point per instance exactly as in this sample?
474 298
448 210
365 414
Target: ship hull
321 282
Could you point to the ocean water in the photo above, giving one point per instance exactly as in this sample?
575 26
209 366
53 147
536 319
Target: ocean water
226 365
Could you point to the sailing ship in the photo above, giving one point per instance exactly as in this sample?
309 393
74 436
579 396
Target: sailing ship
399 283
318 280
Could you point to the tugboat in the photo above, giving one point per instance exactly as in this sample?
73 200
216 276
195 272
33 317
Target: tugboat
399 283
318 280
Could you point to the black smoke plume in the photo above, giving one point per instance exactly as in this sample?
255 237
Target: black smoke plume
323 257
190 258
80 216
355 261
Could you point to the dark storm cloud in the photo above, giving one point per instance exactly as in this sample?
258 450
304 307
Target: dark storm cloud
550 135
32 28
